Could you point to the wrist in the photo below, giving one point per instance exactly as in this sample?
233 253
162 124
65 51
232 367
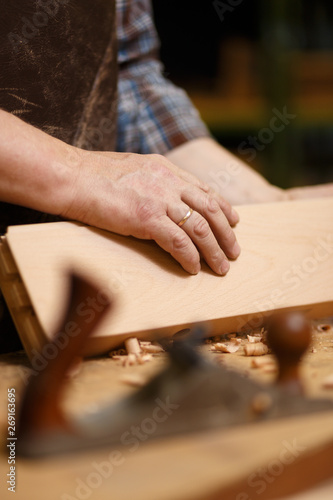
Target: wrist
70 171
34 166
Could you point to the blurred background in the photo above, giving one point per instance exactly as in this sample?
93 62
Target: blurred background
239 60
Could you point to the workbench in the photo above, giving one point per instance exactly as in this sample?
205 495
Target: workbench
192 467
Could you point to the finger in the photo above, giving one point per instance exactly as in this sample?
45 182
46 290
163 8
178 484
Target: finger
198 229
317 191
211 211
230 213
175 241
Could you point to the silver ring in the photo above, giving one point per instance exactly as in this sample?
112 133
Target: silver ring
187 216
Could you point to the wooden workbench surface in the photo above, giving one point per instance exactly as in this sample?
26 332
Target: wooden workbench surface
186 468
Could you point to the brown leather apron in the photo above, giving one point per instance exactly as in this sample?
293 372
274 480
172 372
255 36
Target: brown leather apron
58 72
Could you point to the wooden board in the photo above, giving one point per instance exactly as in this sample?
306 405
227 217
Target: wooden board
286 263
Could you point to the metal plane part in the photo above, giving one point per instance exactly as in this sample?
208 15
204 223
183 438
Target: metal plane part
191 394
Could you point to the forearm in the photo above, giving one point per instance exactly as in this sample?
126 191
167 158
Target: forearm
225 173
36 170
139 195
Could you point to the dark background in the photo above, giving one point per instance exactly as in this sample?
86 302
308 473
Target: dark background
239 64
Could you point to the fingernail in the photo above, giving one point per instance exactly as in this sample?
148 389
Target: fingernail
236 250
235 214
224 267
196 269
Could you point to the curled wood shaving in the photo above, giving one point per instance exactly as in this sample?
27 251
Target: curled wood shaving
254 339
150 348
324 328
133 359
135 354
236 341
257 349
327 383
132 346
144 358
227 347
129 360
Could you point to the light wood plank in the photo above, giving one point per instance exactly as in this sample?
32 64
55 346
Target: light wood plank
286 263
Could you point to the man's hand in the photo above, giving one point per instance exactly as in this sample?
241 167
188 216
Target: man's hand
233 179
319 191
146 196
140 195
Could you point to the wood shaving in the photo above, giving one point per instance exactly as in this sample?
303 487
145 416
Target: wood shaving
327 383
133 359
261 332
254 339
231 336
129 360
257 349
150 348
132 346
236 341
144 358
313 350
134 380
117 352
324 328
227 347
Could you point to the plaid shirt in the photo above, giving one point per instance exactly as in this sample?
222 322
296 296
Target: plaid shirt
154 115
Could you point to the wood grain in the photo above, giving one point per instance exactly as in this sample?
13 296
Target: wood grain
193 467
286 263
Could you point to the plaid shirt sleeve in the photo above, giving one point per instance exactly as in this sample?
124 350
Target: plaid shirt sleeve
154 116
